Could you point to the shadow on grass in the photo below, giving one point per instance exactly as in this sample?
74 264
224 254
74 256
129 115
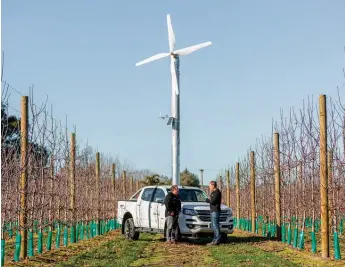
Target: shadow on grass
247 239
203 241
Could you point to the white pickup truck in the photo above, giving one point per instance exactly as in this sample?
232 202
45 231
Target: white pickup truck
145 212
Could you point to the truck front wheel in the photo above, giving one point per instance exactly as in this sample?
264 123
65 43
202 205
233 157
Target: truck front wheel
224 237
130 232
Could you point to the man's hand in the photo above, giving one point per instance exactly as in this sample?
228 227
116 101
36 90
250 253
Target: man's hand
172 213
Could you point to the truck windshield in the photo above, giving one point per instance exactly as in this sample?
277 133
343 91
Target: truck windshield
191 195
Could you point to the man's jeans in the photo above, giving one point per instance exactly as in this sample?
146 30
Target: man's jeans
171 227
215 226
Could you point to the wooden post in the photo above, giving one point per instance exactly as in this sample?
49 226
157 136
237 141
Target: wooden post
113 167
220 185
72 180
131 185
228 188
330 190
238 211
202 179
277 184
97 191
23 176
137 185
52 197
324 177
124 185
252 188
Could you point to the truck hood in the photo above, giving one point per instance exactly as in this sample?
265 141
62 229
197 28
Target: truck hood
201 206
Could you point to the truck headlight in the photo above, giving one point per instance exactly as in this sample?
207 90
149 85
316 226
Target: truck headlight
189 212
230 212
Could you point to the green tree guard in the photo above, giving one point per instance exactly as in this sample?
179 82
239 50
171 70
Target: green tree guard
96 229
77 233
40 243
337 255
295 236
91 230
341 227
269 231
263 229
72 233
301 240
87 231
274 230
289 235
17 250
313 242
317 226
82 232
58 234
31 243
283 233
65 236
49 240
2 252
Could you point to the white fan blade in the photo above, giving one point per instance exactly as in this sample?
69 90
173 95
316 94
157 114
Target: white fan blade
191 49
174 77
155 57
171 34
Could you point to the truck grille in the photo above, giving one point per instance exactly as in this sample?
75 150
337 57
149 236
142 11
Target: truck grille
205 215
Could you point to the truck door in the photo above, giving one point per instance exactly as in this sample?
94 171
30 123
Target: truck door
157 202
135 198
161 216
145 207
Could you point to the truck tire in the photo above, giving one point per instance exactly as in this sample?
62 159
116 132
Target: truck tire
130 232
224 237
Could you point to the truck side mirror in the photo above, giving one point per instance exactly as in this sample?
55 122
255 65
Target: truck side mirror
159 200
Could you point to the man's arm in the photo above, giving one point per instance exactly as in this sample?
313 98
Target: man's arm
169 203
215 197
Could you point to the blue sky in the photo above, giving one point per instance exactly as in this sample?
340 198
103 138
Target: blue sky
266 55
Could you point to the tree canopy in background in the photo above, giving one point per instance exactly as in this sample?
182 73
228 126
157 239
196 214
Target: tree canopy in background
10 138
189 179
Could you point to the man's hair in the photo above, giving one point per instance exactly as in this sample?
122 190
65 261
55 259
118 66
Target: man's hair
214 183
174 187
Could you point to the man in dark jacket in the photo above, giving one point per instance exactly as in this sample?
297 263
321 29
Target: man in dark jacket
215 201
172 210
